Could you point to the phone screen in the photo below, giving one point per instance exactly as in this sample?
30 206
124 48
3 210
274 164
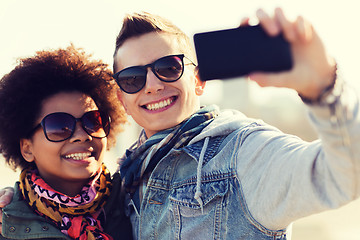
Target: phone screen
237 52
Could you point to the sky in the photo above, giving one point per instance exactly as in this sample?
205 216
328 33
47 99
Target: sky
27 26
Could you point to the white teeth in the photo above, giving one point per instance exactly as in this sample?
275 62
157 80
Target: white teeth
156 106
78 156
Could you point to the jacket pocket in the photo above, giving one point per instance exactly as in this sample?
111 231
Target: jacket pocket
195 220
212 193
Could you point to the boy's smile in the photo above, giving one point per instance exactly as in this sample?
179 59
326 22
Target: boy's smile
160 105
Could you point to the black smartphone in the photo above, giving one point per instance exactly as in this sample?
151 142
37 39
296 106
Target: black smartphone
237 52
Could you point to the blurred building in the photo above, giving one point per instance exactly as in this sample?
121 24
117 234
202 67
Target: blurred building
281 108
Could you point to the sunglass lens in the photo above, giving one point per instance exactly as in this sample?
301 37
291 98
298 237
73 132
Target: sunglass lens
132 80
59 126
96 124
169 68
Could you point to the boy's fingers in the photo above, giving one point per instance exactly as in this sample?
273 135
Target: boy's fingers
287 27
0 220
268 24
244 22
6 195
304 29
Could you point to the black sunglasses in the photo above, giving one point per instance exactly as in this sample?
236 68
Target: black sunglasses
167 69
61 126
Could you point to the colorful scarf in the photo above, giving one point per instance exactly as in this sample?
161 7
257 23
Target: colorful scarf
79 217
138 162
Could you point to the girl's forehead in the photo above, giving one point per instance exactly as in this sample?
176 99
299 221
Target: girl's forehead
74 103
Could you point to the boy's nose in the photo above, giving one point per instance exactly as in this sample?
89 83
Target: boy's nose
153 83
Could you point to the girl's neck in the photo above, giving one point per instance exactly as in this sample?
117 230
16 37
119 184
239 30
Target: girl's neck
70 189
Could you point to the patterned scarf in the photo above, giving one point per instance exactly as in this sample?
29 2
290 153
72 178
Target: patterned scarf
139 161
79 217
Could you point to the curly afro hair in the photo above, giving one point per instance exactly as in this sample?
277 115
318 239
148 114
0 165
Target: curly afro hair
34 79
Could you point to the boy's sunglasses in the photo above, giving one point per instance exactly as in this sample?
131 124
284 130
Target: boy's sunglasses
167 69
61 126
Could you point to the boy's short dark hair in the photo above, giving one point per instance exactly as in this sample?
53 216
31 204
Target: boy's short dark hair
137 24
34 79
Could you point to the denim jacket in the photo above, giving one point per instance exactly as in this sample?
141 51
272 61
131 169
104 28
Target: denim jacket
170 210
243 179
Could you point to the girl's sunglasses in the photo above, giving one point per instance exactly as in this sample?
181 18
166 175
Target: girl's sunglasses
61 126
167 69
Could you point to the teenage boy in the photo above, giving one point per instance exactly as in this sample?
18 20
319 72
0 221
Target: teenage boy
202 173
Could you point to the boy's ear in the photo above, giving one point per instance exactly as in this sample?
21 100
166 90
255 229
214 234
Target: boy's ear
121 99
200 85
26 149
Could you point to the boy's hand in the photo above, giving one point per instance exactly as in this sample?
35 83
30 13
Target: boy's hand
6 195
313 69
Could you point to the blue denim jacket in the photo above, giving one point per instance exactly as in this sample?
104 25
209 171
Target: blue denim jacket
243 179
170 211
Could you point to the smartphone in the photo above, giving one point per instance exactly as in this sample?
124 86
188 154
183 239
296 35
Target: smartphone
230 53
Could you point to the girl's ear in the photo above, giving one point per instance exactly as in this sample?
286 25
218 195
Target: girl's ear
26 149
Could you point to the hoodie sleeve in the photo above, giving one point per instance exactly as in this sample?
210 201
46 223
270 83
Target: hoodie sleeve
285 178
